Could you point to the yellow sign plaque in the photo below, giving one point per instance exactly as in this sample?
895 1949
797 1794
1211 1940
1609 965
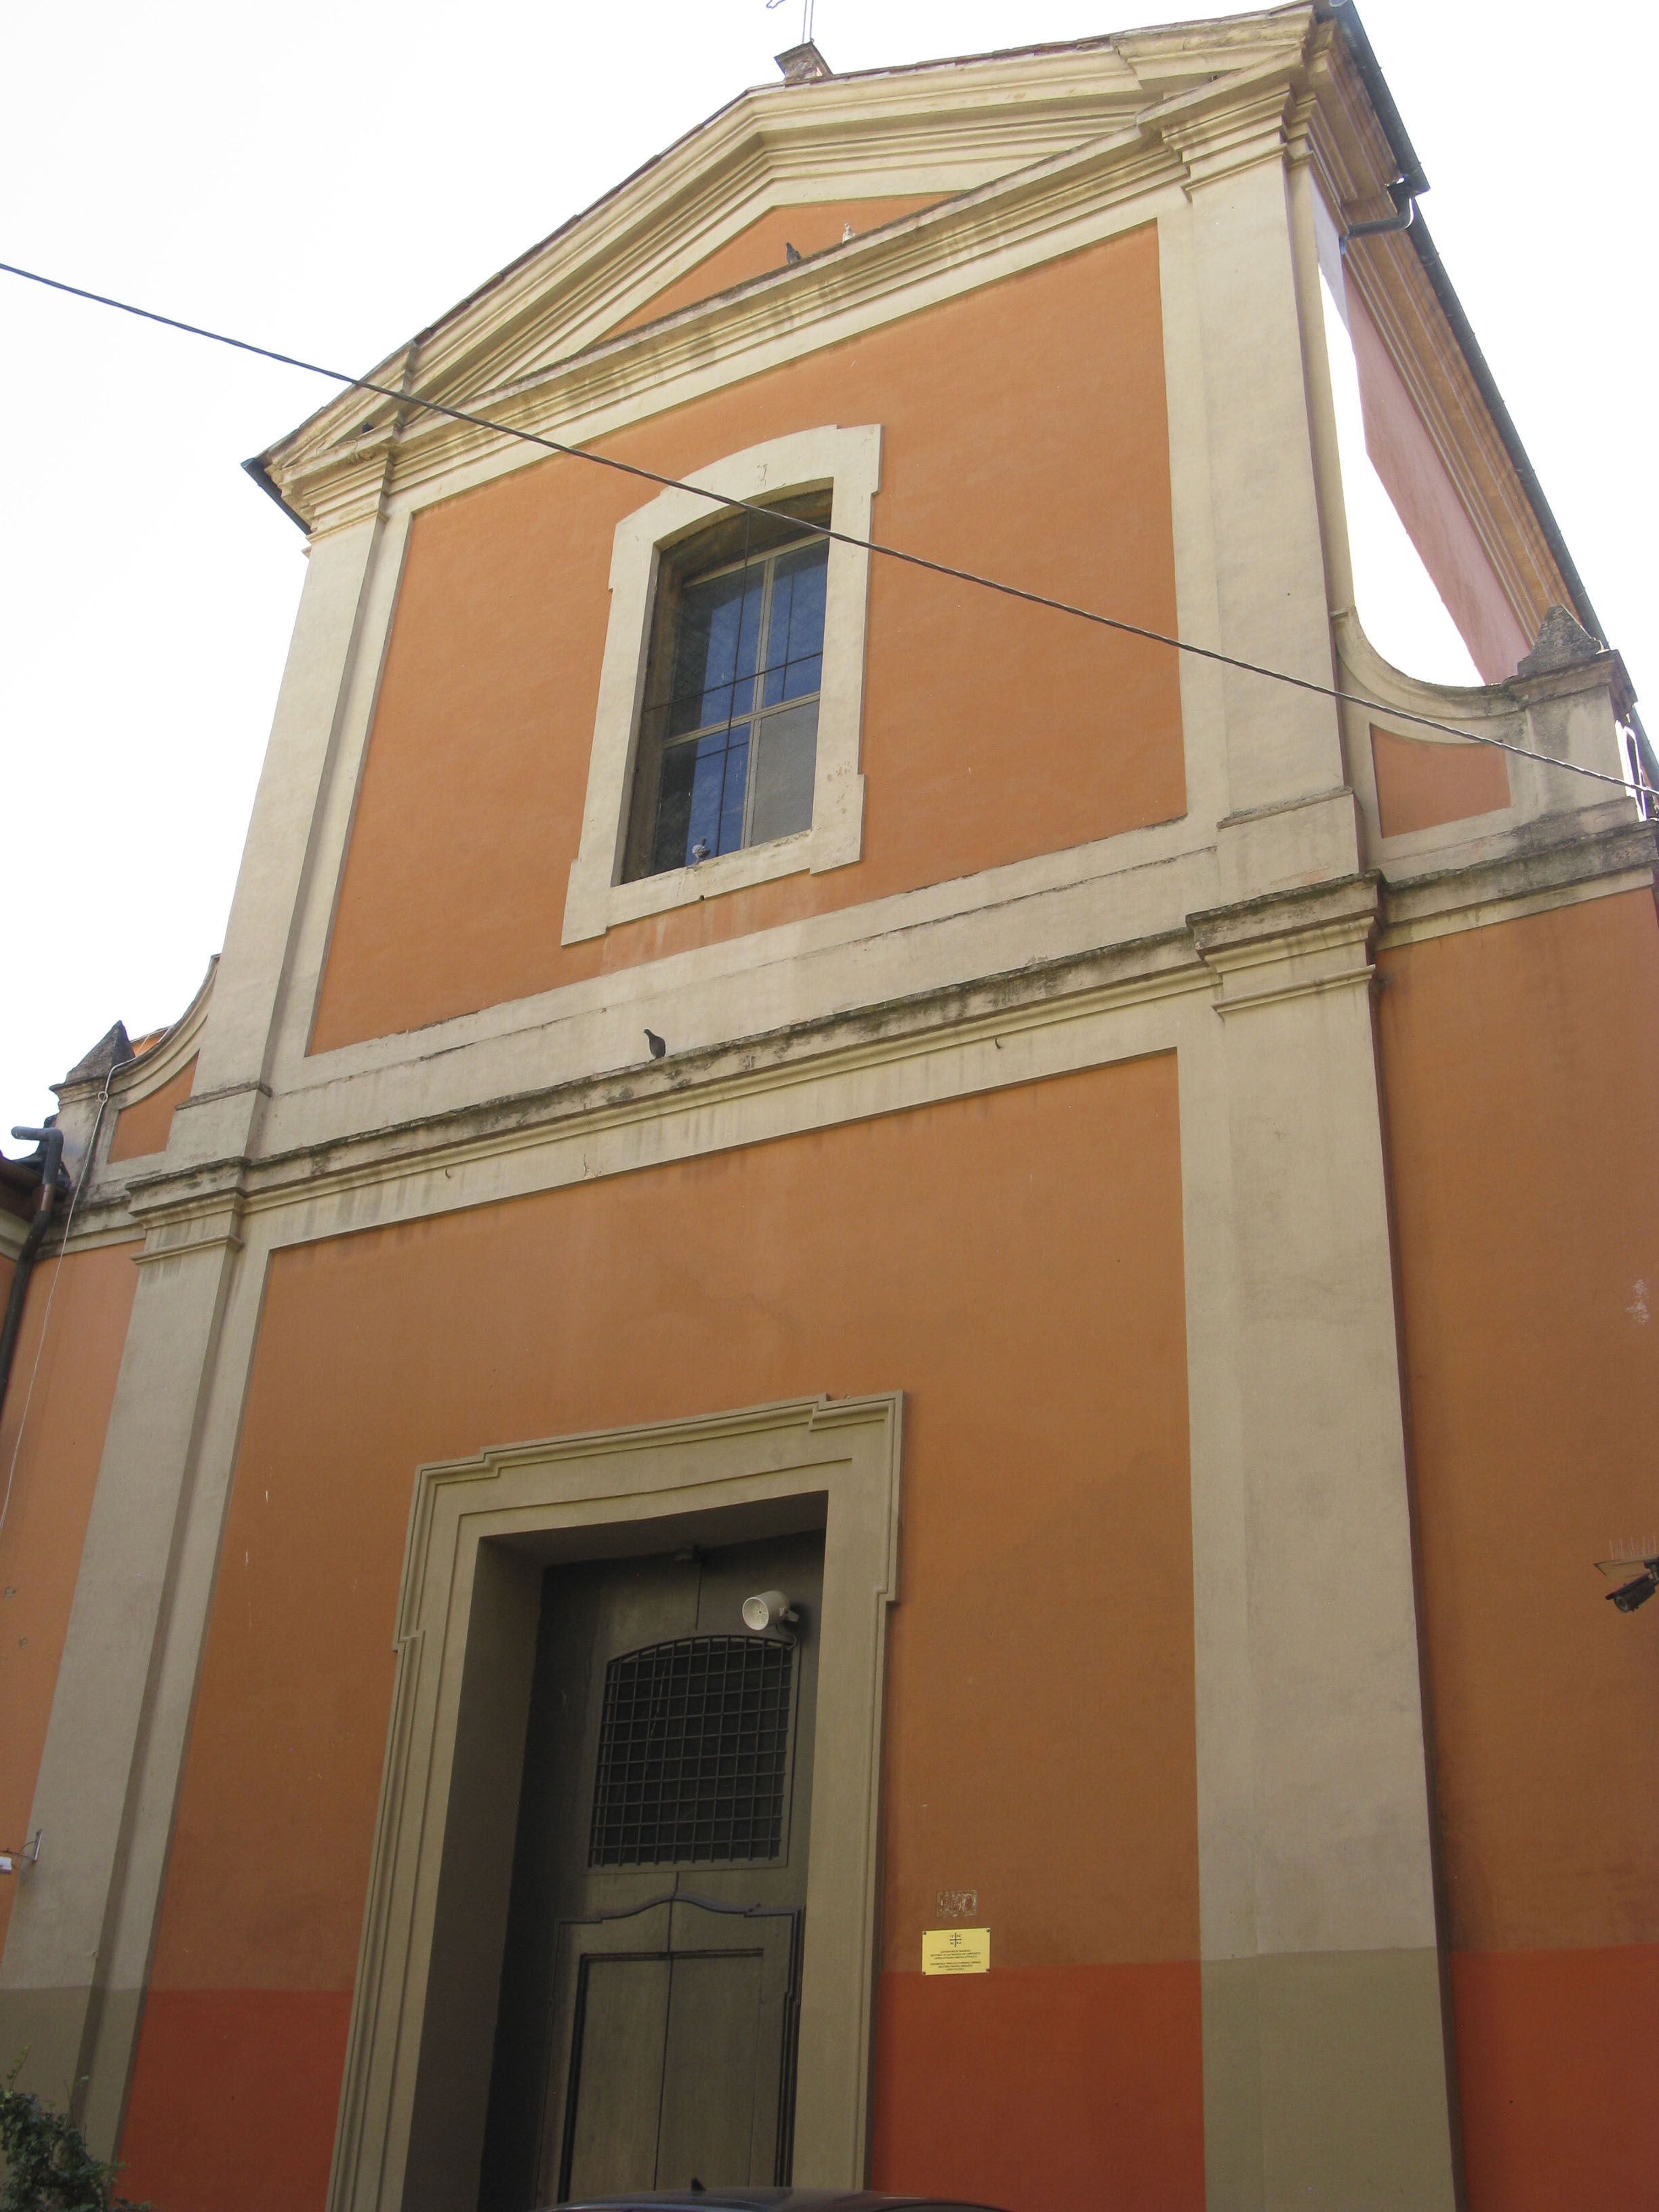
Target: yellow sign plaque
957 1951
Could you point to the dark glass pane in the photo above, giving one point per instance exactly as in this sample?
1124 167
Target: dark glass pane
794 643
716 647
736 788
707 793
672 841
701 799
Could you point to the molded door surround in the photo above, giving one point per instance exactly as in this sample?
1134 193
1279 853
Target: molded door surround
481 1533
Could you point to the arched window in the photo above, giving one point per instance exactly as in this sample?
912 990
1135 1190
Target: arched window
729 729
731 692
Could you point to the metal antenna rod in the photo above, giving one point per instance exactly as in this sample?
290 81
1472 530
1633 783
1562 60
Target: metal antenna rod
806 8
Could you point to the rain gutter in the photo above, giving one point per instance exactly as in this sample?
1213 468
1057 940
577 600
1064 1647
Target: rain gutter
261 476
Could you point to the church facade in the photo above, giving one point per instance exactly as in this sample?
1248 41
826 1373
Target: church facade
845 1408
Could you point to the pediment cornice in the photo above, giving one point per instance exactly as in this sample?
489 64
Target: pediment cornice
1014 145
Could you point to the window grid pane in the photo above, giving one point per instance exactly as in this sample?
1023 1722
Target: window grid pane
708 798
716 647
694 1750
785 755
794 640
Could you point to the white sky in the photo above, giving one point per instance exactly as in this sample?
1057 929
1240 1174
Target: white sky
324 177
1404 615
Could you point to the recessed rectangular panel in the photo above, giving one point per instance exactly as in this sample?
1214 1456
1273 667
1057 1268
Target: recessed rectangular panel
709 2070
617 2070
1424 785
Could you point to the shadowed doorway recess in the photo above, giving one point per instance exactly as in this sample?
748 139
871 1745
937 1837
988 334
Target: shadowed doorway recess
651 1988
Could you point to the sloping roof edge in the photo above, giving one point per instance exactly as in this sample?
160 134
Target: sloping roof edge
1344 15
258 467
1413 181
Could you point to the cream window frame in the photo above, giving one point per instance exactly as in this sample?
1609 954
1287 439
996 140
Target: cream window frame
846 462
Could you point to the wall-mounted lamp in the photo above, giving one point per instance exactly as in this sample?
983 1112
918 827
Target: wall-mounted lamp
769 1610
14 1861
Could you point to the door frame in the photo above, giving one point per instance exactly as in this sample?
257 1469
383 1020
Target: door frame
481 1533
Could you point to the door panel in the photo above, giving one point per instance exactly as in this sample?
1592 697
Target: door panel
624 2006
708 2119
649 1995
695 2004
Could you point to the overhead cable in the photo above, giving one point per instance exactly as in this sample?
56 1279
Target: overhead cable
837 536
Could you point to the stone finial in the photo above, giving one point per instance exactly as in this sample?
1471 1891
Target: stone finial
1563 642
803 64
113 1049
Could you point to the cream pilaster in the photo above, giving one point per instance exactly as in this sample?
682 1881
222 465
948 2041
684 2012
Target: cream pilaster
1289 821
1325 2070
54 1989
83 1927
221 1118
1269 561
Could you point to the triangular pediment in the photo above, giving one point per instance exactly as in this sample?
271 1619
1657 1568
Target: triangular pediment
883 154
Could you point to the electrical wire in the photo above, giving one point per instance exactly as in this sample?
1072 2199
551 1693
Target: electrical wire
837 536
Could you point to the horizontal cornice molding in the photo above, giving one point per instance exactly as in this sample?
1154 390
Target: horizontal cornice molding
1297 944
1552 871
1037 996
1249 953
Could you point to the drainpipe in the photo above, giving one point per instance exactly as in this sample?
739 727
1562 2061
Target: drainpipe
1404 195
52 1179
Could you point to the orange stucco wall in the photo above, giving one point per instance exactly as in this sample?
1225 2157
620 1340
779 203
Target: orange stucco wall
1073 2087
1420 786
143 1128
1012 1262
55 1472
810 228
1426 500
1024 435
1521 1066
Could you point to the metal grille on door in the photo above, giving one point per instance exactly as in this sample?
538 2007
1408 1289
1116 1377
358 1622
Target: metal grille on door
694 1753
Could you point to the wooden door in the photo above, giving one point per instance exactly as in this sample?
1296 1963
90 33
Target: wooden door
647 2028
674 2031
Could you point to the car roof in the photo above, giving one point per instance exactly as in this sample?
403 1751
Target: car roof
769 2200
